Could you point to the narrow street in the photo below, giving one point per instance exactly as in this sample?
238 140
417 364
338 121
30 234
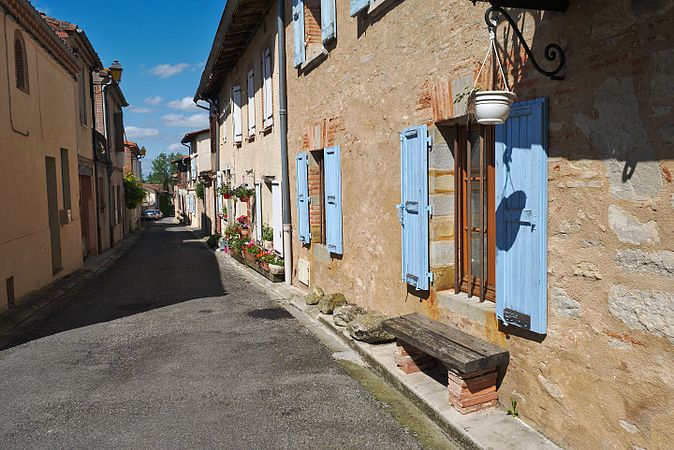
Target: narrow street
160 351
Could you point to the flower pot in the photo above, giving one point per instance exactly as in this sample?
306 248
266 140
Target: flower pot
248 257
492 107
267 245
245 232
244 199
264 266
276 270
226 196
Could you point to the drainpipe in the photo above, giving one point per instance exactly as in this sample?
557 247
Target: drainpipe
96 156
283 128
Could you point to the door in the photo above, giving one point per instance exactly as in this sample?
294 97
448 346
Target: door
53 211
258 211
277 211
85 200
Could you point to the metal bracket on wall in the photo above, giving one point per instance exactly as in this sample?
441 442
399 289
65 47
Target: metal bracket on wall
553 52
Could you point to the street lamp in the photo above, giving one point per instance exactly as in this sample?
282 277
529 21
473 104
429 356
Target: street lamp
116 71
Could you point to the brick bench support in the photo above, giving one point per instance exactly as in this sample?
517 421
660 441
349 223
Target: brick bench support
471 363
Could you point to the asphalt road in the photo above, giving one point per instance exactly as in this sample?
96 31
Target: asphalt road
163 351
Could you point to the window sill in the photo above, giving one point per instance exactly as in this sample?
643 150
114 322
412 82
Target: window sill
375 6
467 307
314 55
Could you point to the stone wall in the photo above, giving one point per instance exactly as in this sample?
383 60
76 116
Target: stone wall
601 377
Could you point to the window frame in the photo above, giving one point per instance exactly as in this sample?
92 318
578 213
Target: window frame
250 95
466 281
23 57
267 90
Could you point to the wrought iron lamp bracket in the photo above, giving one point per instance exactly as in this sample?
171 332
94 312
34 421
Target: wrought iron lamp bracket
553 52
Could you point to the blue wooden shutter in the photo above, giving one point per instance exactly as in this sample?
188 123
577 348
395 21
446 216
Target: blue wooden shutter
414 210
333 200
358 5
302 163
328 28
298 32
522 216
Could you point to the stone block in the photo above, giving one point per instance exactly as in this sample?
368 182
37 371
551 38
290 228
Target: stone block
629 229
565 305
342 315
441 157
438 184
657 263
368 328
441 228
442 253
650 312
443 278
328 303
443 204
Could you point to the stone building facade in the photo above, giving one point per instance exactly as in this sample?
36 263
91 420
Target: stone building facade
594 367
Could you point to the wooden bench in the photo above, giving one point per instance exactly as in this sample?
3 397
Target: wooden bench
471 363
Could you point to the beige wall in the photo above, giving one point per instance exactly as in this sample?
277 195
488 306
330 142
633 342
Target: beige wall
262 155
36 125
602 375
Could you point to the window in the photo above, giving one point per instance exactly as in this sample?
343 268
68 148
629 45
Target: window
267 93
21 62
82 85
236 114
313 25
250 89
476 238
118 120
65 179
320 198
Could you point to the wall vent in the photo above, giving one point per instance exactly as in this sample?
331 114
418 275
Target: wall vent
303 271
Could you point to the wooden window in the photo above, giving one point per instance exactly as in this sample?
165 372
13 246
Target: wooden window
476 237
21 63
267 104
82 85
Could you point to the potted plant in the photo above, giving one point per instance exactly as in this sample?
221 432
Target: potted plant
267 237
276 265
226 191
490 106
243 193
243 226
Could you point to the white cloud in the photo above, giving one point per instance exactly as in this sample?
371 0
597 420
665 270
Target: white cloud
168 70
140 133
153 100
186 121
139 110
175 147
183 104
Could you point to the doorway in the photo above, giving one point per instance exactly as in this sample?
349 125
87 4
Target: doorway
53 211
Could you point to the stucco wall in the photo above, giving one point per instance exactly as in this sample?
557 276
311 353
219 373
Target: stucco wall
34 126
261 155
602 375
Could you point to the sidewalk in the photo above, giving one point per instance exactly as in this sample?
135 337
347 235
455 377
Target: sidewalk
63 289
481 430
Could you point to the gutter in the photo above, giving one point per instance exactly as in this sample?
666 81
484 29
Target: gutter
283 128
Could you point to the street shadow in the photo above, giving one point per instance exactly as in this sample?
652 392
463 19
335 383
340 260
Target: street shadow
166 266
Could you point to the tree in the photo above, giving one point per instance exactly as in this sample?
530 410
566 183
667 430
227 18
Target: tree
162 168
133 191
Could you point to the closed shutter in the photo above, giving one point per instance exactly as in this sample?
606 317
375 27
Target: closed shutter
414 210
298 32
218 183
302 163
258 212
277 222
268 115
358 5
522 216
328 28
251 103
333 200
236 113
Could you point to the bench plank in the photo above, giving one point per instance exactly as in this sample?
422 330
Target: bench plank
456 349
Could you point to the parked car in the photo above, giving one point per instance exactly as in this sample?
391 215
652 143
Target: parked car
152 214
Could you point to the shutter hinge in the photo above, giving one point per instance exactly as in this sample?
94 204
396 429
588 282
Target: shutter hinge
429 208
431 277
429 140
400 214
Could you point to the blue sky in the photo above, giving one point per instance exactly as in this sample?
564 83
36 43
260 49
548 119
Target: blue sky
163 46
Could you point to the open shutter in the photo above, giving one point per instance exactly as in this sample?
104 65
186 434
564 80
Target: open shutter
298 32
522 216
258 212
277 206
358 5
268 115
414 210
250 88
302 165
333 200
236 113
328 28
